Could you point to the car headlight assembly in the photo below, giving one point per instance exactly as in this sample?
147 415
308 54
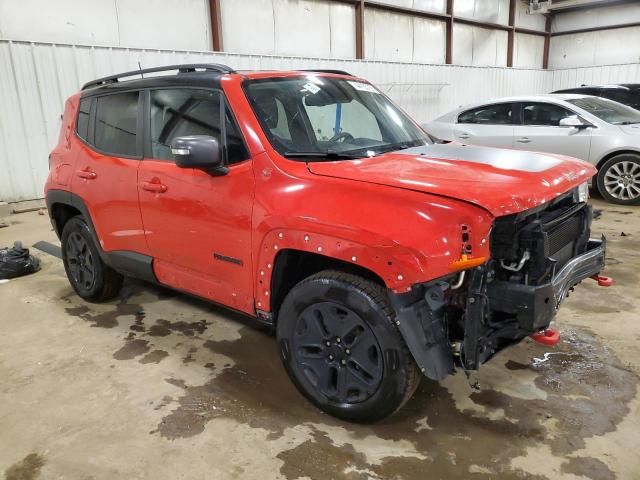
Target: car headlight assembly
581 194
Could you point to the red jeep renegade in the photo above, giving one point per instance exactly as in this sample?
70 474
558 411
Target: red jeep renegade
309 200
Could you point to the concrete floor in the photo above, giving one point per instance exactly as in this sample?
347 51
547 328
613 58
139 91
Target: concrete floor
159 385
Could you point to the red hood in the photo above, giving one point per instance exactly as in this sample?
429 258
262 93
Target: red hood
499 180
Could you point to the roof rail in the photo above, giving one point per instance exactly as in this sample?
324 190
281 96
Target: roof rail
185 68
320 70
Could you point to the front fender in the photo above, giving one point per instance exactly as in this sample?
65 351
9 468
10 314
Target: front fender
396 265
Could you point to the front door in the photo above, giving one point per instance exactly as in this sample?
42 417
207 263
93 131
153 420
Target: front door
540 131
197 225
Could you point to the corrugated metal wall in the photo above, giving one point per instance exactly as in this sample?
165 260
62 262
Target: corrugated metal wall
574 77
35 79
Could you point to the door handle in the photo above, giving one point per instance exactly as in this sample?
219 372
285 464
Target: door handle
87 174
464 135
155 187
523 140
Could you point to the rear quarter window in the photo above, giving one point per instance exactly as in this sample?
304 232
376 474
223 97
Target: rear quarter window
82 124
116 124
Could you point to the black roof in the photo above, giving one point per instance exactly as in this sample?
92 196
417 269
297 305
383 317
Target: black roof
625 86
196 74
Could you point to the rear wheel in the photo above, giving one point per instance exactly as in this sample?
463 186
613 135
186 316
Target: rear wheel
341 347
619 179
89 276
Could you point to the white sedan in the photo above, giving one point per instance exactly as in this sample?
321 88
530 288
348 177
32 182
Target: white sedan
600 131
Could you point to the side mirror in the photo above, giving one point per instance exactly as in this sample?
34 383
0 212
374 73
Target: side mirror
199 151
573 121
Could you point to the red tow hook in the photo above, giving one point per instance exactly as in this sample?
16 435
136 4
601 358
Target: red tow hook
548 336
603 281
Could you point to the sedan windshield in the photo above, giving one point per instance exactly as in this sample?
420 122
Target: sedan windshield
315 118
607 110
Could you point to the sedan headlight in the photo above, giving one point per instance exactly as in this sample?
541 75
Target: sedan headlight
582 192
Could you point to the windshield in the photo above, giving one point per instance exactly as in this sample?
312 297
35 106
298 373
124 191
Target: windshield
607 110
314 117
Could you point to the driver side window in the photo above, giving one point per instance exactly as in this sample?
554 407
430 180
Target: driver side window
351 118
544 114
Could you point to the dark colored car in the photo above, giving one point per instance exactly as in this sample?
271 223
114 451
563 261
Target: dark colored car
625 93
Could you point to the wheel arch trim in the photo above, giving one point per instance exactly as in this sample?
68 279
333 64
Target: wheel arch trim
396 266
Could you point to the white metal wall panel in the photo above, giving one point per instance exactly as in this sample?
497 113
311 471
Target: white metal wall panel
388 36
606 47
526 20
180 24
428 41
36 78
403 38
289 27
479 46
494 11
436 6
574 77
595 17
249 29
528 50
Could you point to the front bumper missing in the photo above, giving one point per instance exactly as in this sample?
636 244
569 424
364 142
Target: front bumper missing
535 306
497 314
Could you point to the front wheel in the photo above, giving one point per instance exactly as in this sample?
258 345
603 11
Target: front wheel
619 179
340 345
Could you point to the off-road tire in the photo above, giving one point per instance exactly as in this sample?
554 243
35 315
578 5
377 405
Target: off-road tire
97 282
360 299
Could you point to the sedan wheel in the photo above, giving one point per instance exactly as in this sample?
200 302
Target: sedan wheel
619 180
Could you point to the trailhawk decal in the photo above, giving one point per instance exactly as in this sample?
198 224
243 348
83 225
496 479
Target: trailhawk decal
505 159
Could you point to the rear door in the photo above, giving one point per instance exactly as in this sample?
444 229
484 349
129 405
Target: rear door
490 125
198 225
106 170
540 131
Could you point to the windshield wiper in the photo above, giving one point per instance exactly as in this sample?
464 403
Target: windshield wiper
627 123
323 155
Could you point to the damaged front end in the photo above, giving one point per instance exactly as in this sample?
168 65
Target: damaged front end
537 257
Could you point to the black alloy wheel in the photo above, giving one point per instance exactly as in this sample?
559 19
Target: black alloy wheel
90 277
81 263
340 344
337 352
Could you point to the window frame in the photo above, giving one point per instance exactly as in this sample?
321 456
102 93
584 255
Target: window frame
92 103
521 106
224 106
514 114
92 125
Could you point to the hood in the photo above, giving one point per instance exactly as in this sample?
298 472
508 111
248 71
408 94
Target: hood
501 181
633 129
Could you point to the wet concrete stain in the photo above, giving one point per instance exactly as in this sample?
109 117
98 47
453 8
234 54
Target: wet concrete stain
163 328
188 358
132 349
26 469
582 380
588 467
256 391
156 356
106 319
